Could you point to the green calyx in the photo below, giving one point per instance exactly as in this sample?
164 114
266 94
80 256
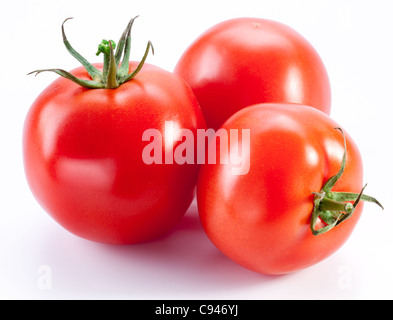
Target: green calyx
116 70
334 208
105 47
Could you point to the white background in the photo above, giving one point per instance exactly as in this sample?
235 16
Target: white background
354 38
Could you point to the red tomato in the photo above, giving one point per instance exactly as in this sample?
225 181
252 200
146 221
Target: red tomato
261 218
86 154
83 156
246 61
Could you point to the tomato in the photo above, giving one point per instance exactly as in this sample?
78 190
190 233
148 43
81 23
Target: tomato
246 61
270 218
83 154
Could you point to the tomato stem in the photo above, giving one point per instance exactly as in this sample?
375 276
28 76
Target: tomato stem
111 81
105 48
328 204
112 75
334 208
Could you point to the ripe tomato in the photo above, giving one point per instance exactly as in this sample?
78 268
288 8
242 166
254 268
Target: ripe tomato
246 61
261 219
83 155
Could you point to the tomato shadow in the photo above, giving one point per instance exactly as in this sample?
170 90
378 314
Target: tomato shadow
183 264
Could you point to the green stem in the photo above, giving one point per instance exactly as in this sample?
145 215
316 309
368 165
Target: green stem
93 71
140 65
327 204
126 37
349 196
125 65
111 81
112 75
333 208
105 47
88 84
333 180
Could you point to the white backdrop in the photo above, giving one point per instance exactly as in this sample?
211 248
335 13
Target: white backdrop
354 38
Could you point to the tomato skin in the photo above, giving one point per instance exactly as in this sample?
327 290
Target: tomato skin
83 156
245 61
261 219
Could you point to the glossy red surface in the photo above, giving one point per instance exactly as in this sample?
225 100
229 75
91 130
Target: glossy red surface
83 156
245 61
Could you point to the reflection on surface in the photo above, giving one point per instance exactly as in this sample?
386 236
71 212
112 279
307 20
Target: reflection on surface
84 171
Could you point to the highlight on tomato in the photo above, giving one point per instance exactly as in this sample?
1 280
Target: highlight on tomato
245 61
300 199
82 146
